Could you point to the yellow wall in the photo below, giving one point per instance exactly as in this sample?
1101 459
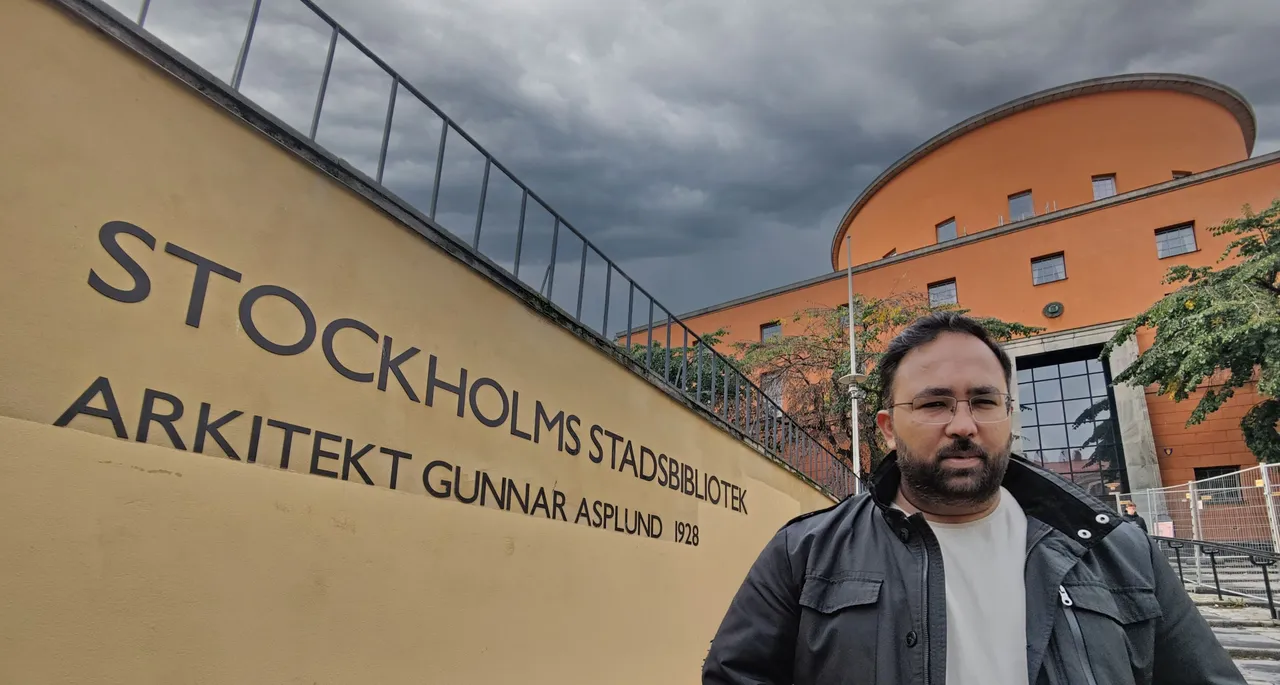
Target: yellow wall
141 563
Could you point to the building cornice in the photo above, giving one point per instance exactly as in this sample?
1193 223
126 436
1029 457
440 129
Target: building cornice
1026 224
1213 91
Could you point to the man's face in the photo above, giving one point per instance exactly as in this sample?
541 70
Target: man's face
961 461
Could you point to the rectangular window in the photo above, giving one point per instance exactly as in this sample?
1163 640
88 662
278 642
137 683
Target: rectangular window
942 293
769 330
1104 186
1048 269
1175 240
947 230
1221 484
1181 174
1021 206
771 384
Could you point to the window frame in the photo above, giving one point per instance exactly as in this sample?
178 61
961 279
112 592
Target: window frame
1030 196
937 230
1187 225
768 325
1228 497
954 289
1115 189
1044 258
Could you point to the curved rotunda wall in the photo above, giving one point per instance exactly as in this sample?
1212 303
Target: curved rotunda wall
1053 150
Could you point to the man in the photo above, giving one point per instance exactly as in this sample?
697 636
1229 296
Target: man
963 564
1131 515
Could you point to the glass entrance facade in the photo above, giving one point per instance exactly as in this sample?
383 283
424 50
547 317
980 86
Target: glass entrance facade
1067 417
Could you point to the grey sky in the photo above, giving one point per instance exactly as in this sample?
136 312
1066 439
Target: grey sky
708 147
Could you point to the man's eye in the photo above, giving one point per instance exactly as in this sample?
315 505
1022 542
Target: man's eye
984 402
932 405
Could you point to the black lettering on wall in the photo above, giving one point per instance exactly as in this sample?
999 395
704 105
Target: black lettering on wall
457 487
289 429
352 460
150 416
713 496
254 434
662 470
540 502
596 453
475 406
541 418
570 425
673 474
445 488
200 284
107 237
515 417
251 329
326 344
498 491
647 457
613 455
396 456
512 492
557 505
582 512
100 386
688 479
433 382
206 428
318 451
742 500
629 459
392 365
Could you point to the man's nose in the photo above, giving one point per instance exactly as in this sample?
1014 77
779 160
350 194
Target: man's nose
962 423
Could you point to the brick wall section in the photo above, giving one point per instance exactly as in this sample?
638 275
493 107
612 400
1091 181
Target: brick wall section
1217 441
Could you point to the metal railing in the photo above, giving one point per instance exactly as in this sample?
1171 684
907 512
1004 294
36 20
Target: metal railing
1235 571
694 369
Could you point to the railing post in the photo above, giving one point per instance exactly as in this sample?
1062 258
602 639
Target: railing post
1194 498
1271 507
1213 563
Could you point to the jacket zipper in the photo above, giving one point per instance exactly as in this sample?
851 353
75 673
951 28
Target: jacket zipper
1068 607
924 611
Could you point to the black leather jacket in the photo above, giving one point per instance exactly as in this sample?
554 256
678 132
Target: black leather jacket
855 594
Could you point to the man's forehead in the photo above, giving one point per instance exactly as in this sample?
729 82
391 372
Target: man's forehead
954 361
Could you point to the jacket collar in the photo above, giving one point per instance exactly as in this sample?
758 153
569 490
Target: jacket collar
1041 493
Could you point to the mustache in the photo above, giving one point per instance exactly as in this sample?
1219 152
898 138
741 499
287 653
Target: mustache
963 447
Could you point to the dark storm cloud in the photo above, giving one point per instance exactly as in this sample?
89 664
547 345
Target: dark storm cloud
709 148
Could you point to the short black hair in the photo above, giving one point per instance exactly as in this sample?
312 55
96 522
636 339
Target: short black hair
925 330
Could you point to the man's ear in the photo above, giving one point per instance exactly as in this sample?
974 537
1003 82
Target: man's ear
884 421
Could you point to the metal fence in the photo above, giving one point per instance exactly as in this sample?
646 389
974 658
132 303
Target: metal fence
1237 509
687 363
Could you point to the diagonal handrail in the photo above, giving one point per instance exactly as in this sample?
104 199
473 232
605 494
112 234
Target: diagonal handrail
738 402
1260 559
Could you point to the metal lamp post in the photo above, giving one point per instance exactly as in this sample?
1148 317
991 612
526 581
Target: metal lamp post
853 378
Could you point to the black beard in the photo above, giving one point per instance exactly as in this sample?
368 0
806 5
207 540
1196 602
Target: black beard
933 484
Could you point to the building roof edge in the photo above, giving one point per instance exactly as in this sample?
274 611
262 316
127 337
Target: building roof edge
1224 95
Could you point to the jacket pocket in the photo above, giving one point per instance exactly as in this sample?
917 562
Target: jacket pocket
829 595
1110 631
839 628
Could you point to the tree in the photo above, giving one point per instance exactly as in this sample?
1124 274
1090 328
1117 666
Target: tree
810 363
1222 326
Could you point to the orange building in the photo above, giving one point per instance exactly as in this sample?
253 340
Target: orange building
1062 209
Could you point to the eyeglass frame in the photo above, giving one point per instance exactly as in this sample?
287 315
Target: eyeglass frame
955 402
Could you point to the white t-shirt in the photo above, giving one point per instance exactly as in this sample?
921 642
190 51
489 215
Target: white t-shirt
983 563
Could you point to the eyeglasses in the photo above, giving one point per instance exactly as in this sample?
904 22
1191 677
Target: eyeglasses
937 409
